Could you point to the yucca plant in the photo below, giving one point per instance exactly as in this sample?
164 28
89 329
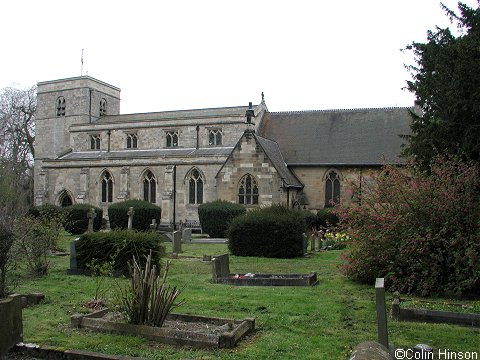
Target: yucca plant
148 300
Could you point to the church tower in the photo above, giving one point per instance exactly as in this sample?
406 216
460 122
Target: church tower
61 104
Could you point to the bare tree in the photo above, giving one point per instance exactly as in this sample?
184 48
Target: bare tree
17 125
17 135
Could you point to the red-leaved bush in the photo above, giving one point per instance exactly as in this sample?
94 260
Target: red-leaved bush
420 231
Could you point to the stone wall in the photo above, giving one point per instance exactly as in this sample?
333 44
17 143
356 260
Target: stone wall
249 158
313 177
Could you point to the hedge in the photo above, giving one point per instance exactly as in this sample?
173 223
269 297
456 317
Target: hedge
47 211
144 213
76 219
275 232
216 216
121 245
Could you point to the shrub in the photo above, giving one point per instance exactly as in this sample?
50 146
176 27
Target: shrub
311 221
270 232
418 230
33 238
216 216
76 219
120 246
144 213
326 218
148 300
47 211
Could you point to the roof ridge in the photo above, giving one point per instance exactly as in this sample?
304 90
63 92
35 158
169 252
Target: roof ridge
343 110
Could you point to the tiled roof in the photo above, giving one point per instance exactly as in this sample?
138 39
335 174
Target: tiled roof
338 137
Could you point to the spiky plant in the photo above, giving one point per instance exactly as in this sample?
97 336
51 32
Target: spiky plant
149 299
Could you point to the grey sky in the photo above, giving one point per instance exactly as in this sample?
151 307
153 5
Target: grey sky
168 55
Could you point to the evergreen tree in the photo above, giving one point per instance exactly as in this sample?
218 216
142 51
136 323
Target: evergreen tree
446 82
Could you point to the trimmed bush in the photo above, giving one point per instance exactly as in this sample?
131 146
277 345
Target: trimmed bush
311 220
121 246
274 232
216 216
47 212
76 220
144 213
327 218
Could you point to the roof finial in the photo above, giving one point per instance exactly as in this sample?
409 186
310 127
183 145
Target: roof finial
263 97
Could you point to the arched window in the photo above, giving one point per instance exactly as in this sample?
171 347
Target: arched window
132 141
107 187
103 107
60 106
248 191
195 188
332 189
149 187
65 199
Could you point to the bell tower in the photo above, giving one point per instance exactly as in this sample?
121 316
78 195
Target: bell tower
61 104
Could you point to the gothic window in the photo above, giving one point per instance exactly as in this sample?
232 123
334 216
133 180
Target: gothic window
103 107
106 187
61 106
132 141
195 188
149 187
215 137
332 189
248 191
94 142
172 138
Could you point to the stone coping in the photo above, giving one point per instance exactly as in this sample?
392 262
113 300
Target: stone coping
269 279
55 354
433 316
239 329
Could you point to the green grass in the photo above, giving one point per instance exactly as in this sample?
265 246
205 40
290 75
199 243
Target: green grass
321 322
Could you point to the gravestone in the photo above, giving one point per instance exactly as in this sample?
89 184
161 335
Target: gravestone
177 242
221 266
381 312
73 255
153 225
187 235
130 214
304 243
312 242
107 224
91 216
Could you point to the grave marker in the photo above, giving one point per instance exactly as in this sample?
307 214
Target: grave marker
130 214
221 266
91 216
381 312
177 242
187 235
153 225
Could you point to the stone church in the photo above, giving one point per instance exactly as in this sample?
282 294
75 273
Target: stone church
87 152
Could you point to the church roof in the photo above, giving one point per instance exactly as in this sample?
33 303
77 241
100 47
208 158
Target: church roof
274 154
146 153
222 112
338 137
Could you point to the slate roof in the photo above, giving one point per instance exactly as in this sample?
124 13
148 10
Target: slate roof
338 137
149 153
274 154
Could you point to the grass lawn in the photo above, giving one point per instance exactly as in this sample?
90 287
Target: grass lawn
321 322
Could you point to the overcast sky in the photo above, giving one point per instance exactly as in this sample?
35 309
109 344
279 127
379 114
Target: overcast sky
169 55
